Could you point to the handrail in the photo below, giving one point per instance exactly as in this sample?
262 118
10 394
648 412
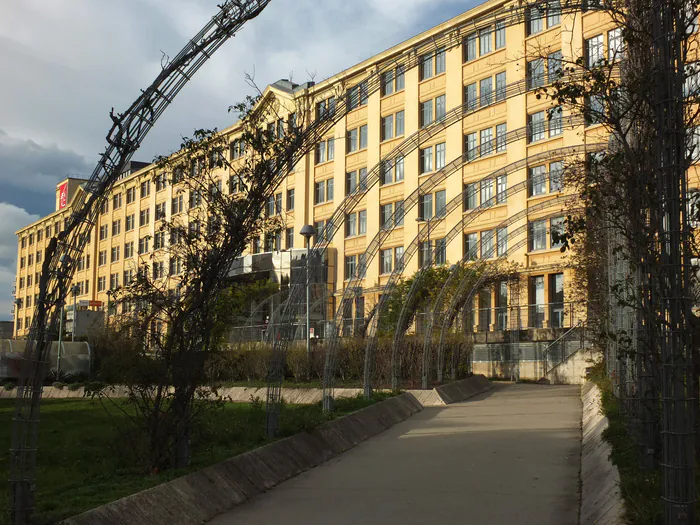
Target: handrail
580 324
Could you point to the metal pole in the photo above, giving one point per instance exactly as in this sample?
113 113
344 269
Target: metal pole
60 343
308 306
75 315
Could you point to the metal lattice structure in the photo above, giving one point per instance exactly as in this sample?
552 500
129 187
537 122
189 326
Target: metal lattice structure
126 135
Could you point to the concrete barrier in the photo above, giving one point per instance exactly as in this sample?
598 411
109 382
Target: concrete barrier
601 503
463 390
201 496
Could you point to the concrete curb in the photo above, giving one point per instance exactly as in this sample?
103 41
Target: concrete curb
464 389
601 502
201 496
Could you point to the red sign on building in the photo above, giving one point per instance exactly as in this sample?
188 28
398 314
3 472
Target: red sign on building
62 195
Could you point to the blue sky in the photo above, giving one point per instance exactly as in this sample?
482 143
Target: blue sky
67 62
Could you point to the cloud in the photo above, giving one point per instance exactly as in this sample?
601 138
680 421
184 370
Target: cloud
12 218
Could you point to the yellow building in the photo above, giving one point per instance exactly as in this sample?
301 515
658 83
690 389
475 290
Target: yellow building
477 73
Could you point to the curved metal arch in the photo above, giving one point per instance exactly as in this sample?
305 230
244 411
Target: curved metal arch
457 201
452 234
124 138
248 326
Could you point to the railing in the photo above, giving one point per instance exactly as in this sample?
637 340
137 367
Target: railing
545 315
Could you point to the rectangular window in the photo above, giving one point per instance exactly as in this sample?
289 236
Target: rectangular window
440 156
471 246
537 177
501 137
471 196
537 307
440 61
195 199
470 98
470 47
554 66
398 257
426 206
289 238
290 199
426 66
330 145
103 232
116 227
556 300
538 235
399 124
501 188
487 244
320 192
398 213
556 176
426 160
350 182
130 195
129 250
615 45
536 126
535 73
556 122
387 172
117 201
115 254
177 205
352 142
556 230
426 113
101 283
102 258
144 217
440 203
362 222
594 51
387 83
145 189
534 21
329 189
486 91
386 211
160 211
486 190
351 225
363 137
595 110
485 37
500 34
486 141
470 146
440 251
502 241
387 257
398 169
500 86
387 127
440 107
350 266
400 79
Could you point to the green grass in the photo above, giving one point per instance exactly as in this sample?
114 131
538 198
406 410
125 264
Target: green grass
79 467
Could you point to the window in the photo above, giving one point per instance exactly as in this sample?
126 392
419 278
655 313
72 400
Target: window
159 240
595 110
325 108
115 254
362 222
440 107
538 235
556 176
500 34
352 143
398 257
386 211
116 227
289 238
553 13
351 182
471 246
440 251
426 207
426 113
158 270
440 203
195 199
399 124
426 66
129 250
470 146
104 232
161 182
237 149
175 266
486 141
485 36
501 188
470 47
177 205
486 91
440 156
398 213
30 259
387 83
320 227
426 160
398 169
325 151
386 260
350 266
290 199
556 300
320 192
470 196
400 79
501 137
502 241
351 225
556 230
145 189
387 127
615 45
101 283
117 201
363 137
500 86
357 96
487 244
537 178
556 122
329 189
102 258
270 206
554 66
113 281
143 245
39 235
470 98
22 262
104 207
160 211
130 195
594 51
440 61
486 190
535 73
536 126
38 257
534 21
144 217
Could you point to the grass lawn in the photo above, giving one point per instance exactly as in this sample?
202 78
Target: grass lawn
79 467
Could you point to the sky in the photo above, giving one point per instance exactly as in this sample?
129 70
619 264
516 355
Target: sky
67 62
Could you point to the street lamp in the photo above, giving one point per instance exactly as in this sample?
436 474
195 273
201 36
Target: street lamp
421 220
307 232
75 290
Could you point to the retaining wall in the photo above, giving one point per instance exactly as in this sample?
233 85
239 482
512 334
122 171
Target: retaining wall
601 503
201 496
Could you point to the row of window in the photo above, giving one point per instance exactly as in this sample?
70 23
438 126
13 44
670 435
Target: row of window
31 259
484 41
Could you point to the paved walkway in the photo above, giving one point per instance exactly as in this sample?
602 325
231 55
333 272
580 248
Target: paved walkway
510 456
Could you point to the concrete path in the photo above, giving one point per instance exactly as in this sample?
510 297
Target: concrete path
510 456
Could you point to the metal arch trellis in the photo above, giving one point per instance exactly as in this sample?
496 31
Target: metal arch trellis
409 59
124 138
374 245
550 155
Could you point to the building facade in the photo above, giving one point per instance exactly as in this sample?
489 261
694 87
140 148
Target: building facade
471 131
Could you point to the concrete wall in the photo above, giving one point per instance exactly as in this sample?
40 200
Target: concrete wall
601 503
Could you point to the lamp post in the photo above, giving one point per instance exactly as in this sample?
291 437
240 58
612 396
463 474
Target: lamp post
75 290
307 232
